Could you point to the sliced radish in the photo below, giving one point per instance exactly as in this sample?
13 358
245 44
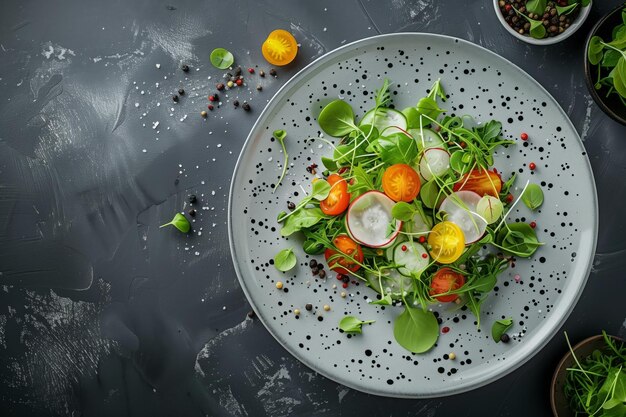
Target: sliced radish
427 138
368 220
460 208
392 282
412 257
434 163
420 225
384 118
393 129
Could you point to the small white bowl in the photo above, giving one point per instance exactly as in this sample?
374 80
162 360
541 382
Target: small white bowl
582 16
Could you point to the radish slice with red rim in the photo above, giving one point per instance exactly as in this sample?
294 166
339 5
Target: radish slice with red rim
460 209
368 220
434 163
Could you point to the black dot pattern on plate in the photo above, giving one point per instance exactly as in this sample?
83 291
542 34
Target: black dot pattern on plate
531 292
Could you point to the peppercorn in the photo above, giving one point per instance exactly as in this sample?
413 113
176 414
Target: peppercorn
210 107
291 205
505 338
230 84
213 97
452 355
524 136
181 91
296 312
345 279
245 106
322 274
236 103
175 99
192 212
185 68
308 307
343 294
533 224
219 86
262 73
203 114
312 263
532 166
279 285
344 285
326 307
273 72
259 87
315 270
239 82
251 70
238 71
251 314
192 198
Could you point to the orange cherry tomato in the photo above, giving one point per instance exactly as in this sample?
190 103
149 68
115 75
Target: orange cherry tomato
401 183
338 198
446 280
447 242
348 247
481 182
280 48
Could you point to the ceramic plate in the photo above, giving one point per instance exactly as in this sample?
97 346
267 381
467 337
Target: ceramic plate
538 293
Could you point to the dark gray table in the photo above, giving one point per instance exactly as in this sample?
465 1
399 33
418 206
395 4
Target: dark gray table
102 313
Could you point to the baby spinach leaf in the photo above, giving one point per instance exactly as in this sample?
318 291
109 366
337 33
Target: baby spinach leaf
385 301
412 117
619 77
437 91
536 6
428 107
611 57
329 163
565 10
180 222
416 330
321 189
337 119
518 238
351 324
397 149
312 246
221 58
500 327
594 52
403 211
285 260
429 193
533 196
302 219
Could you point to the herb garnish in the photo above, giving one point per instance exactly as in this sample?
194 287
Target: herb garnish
221 58
285 260
180 222
280 136
351 324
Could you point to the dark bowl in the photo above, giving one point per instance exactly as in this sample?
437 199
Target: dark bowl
558 401
611 105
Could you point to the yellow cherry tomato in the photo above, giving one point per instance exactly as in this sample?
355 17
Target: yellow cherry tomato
280 48
447 242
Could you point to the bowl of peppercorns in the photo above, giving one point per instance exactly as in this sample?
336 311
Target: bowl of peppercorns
542 22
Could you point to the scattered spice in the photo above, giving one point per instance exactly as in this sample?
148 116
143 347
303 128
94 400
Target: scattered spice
185 68
344 285
524 136
251 314
192 212
296 312
219 86
262 73
181 91
192 198
533 224
210 107
326 307
259 87
322 274
203 113
532 166
452 356
238 71
230 84
343 294
279 285
315 271
308 307
273 72
175 98
251 70
445 330
236 103
213 97
312 263
239 82
245 106
505 338
291 205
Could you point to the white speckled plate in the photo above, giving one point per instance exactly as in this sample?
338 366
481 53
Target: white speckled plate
480 84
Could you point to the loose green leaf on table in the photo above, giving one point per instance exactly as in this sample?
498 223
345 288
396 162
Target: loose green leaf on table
416 330
285 260
351 324
180 222
533 196
499 328
221 58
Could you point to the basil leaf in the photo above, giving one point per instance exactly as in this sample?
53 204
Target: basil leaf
397 148
285 260
533 196
221 58
416 330
180 222
403 211
351 324
337 119
500 327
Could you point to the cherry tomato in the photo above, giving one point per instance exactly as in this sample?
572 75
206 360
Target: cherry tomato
447 242
401 183
446 280
338 199
481 182
346 246
280 48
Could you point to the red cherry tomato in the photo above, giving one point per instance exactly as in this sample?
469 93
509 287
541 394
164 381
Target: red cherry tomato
346 246
338 199
446 280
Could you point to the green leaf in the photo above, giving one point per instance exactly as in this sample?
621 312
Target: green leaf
490 208
594 52
437 91
385 301
300 220
457 162
619 77
397 148
351 324
280 135
536 6
362 182
585 3
329 163
519 239
312 247
500 327
566 10
533 196
428 107
180 222
321 189
285 260
412 117
485 283
382 96
403 211
221 58
337 119
416 330
429 193
611 57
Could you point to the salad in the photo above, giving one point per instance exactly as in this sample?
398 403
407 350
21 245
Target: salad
410 204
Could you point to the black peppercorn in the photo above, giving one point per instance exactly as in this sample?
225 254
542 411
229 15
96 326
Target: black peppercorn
236 103
315 271
192 212
251 314
245 106
181 91
273 72
290 205
192 198
345 279
238 71
259 87
175 99
220 86
185 68
505 338
322 273
309 307
312 263
262 73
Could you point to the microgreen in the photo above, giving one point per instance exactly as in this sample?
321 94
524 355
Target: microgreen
533 196
285 260
499 328
337 119
416 329
280 136
221 58
351 324
180 222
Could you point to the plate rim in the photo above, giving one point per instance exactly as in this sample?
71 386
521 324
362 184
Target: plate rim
464 386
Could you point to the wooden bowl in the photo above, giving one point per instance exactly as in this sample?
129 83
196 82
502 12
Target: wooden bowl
558 401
